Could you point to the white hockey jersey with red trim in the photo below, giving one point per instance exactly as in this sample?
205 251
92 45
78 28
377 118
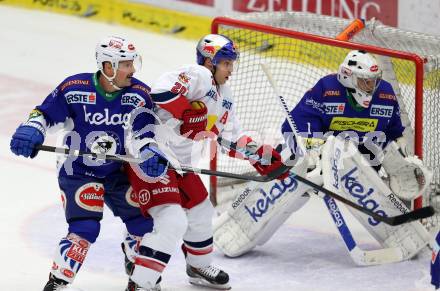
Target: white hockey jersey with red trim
196 83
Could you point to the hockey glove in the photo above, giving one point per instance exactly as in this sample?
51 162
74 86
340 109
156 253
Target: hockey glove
270 160
26 138
194 121
155 164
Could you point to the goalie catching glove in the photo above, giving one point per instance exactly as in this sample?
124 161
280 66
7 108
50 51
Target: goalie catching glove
408 177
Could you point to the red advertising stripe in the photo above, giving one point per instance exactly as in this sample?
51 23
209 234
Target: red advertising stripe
385 11
201 2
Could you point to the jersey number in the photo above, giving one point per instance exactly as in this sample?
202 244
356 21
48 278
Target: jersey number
178 89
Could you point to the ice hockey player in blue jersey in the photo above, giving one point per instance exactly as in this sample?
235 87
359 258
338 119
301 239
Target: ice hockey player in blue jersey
355 100
344 122
435 262
96 111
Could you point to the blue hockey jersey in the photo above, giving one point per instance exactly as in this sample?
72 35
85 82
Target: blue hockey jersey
96 121
329 108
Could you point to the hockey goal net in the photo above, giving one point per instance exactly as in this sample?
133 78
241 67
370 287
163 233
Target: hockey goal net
300 48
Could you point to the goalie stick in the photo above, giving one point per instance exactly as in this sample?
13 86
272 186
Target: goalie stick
359 256
121 158
420 213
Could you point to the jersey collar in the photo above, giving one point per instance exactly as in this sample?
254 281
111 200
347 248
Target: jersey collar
353 102
107 96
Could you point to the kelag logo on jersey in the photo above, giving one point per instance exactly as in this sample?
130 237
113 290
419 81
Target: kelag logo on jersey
80 97
98 118
334 108
381 111
132 99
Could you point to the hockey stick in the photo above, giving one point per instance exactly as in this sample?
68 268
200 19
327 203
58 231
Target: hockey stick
420 213
121 158
359 256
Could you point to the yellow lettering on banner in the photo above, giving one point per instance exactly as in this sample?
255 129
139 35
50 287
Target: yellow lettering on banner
357 124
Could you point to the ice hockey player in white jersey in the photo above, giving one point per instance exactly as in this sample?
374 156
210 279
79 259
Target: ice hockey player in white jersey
362 111
193 102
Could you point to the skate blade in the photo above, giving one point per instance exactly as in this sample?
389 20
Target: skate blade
204 283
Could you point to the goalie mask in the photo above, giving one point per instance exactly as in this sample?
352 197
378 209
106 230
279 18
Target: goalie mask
114 49
216 47
360 74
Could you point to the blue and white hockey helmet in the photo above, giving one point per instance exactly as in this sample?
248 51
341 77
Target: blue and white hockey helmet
115 49
216 47
361 73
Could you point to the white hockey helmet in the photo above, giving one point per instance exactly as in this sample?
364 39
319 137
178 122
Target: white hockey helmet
216 47
115 49
361 75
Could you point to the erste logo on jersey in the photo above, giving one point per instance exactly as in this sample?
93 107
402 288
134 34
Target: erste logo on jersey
334 108
80 97
381 110
132 99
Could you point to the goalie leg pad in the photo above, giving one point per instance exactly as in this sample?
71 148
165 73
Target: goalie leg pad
345 171
256 213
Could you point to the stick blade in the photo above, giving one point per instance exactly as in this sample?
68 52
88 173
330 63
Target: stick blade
417 214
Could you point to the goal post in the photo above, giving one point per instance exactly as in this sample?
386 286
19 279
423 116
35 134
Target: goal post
300 48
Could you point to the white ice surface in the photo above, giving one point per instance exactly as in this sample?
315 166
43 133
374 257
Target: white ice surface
37 51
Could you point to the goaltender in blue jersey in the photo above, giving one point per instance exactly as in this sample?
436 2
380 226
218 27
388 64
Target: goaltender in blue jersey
334 105
344 121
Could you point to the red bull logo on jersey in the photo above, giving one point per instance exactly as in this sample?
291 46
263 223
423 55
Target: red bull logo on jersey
80 97
132 99
381 110
183 78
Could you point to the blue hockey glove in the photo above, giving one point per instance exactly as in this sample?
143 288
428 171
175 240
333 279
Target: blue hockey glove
26 138
156 164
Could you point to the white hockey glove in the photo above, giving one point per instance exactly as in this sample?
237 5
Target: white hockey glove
409 178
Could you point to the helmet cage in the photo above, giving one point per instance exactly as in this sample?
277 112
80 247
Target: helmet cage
357 72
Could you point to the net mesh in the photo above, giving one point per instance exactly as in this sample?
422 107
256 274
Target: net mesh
297 64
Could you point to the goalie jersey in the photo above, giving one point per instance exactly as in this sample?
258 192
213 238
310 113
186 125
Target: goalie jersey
95 121
329 108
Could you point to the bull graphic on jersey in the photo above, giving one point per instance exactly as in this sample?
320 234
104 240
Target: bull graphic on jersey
103 146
